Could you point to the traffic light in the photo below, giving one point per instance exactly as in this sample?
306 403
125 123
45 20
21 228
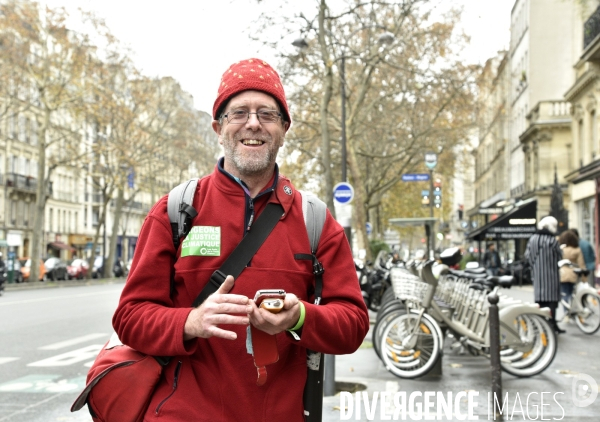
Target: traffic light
437 193
425 198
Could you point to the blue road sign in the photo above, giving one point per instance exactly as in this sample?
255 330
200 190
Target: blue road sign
343 193
369 228
415 177
424 193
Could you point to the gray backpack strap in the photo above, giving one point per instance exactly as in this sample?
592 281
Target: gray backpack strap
315 212
180 209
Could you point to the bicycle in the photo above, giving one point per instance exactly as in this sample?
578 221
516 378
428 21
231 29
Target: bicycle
584 306
411 342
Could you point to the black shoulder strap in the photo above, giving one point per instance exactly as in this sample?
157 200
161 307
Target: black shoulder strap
245 250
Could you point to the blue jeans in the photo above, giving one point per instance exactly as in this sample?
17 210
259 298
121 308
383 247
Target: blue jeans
566 290
492 271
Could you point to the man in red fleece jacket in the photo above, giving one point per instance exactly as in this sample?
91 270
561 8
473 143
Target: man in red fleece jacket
211 376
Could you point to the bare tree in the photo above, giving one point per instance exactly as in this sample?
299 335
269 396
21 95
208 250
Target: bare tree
406 92
52 62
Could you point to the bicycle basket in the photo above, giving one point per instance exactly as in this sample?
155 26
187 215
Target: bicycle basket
408 286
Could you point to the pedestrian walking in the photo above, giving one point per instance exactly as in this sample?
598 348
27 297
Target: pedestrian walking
569 243
543 253
589 256
212 375
491 260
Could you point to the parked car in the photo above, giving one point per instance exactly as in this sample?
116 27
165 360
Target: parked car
98 268
78 268
56 269
26 269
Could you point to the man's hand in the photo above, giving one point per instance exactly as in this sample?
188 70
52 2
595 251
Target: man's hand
276 323
219 308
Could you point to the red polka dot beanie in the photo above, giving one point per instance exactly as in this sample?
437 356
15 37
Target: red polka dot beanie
250 74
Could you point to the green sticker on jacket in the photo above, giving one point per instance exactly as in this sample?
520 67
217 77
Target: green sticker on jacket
202 241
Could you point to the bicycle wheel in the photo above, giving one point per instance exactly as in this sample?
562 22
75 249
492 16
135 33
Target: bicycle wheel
410 353
534 352
588 318
391 313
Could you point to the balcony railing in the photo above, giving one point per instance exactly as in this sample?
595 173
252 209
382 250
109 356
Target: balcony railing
19 181
591 28
66 196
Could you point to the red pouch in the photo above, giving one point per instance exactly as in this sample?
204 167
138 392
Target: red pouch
120 384
264 348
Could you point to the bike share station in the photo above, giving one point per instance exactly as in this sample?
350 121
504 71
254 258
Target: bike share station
428 303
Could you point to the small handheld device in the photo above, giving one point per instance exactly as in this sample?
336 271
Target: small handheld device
270 299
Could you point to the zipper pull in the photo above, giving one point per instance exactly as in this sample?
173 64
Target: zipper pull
251 220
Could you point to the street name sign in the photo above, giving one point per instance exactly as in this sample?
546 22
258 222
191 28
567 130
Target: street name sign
343 193
415 177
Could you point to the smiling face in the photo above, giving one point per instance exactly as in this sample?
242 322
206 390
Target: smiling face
250 148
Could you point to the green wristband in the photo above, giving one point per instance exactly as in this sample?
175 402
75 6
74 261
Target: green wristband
300 322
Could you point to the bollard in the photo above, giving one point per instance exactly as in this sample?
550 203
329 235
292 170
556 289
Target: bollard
495 355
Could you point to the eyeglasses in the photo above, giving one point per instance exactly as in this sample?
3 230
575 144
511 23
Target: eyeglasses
239 117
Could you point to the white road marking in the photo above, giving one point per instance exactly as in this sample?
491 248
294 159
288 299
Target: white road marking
73 341
31 406
6 360
71 357
45 299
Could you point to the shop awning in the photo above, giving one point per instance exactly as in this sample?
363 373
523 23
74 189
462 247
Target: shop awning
60 245
518 223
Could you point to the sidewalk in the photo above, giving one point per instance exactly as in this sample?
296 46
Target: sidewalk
464 373
58 284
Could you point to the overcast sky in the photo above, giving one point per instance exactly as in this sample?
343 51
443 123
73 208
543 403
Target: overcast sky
195 41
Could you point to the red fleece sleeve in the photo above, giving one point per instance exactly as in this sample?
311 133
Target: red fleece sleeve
146 318
340 323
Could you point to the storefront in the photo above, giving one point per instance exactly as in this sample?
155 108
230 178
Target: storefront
510 231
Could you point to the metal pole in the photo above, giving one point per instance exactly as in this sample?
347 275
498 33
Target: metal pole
329 376
430 237
343 93
329 373
495 355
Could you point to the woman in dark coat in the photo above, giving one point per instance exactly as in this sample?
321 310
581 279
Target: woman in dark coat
543 253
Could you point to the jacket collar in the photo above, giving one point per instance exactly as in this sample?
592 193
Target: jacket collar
545 232
282 190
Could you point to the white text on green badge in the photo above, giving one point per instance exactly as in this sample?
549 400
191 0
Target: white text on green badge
202 241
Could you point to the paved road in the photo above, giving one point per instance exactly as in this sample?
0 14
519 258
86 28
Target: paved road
49 337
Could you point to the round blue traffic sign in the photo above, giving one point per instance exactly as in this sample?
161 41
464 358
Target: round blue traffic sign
343 193
369 228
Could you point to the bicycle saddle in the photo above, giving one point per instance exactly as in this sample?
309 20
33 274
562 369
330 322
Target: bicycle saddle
472 276
581 271
506 281
479 270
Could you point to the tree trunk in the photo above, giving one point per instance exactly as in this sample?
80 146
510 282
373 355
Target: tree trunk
94 247
40 199
115 232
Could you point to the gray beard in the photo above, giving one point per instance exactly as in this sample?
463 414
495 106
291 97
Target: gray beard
250 166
